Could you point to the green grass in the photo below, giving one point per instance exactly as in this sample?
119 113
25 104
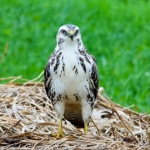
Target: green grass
116 32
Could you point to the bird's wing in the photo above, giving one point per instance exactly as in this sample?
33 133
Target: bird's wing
47 77
47 74
94 78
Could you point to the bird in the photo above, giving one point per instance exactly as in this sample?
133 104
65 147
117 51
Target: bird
71 79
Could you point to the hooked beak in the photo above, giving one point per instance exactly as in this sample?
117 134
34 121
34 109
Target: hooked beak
71 34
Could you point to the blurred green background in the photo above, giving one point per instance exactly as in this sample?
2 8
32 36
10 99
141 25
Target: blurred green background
116 32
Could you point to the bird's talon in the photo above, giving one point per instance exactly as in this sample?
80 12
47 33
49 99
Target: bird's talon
59 134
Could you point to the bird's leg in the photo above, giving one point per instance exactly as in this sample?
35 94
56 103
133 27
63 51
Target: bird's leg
60 130
85 128
86 113
60 133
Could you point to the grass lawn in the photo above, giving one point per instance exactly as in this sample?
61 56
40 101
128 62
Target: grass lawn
116 32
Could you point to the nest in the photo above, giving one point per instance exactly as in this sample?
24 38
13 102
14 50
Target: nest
27 120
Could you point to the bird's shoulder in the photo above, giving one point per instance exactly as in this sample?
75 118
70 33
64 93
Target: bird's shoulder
83 51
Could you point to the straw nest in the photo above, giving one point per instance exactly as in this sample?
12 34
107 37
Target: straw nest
27 120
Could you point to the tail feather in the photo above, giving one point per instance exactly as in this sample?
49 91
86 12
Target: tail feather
75 119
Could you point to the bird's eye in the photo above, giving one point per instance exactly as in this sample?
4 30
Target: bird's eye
64 32
77 32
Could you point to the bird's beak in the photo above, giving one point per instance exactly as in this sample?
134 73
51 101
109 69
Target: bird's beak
71 34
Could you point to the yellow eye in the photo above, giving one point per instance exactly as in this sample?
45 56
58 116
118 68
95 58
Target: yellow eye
64 32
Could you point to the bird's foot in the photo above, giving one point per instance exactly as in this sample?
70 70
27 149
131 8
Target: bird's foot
59 134
85 128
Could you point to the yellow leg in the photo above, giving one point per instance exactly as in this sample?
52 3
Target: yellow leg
60 133
85 128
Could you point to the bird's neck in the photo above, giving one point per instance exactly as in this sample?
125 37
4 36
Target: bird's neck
68 47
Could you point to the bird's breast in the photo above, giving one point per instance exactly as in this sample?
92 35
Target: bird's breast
70 68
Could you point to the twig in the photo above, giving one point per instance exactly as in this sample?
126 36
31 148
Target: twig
5 52
125 125
37 143
34 79
12 127
15 79
27 134
95 126
9 130
54 124
58 142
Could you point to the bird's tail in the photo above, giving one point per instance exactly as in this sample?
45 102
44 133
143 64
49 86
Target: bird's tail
75 119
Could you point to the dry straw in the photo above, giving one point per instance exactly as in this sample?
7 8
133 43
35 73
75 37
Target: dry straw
27 120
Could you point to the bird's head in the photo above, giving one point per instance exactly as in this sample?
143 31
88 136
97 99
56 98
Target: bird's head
69 33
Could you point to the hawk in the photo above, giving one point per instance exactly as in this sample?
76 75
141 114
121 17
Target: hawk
71 79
